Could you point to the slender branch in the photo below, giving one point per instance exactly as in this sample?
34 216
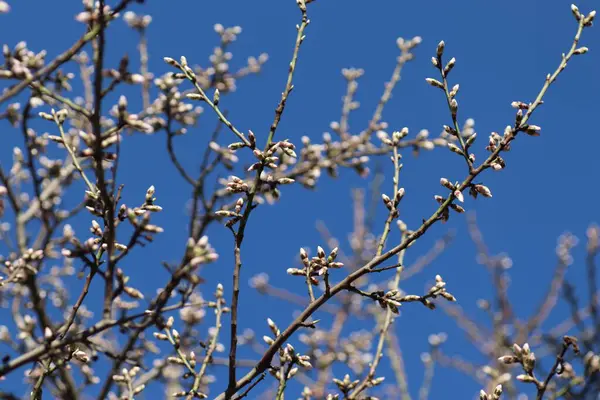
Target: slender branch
404 57
389 315
79 302
292 68
239 236
427 379
36 392
558 366
74 159
211 348
397 364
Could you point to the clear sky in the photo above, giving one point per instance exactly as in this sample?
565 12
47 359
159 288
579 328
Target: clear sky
503 49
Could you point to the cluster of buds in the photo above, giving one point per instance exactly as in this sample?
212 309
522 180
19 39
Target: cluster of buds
394 298
330 155
143 226
526 358
288 357
454 188
234 215
346 385
495 395
20 268
92 13
79 249
287 148
521 355
227 35
170 101
200 252
301 359
236 185
186 73
347 151
20 62
311 155
406 45
392 205
137 22
352 75
316 266
134 122
98 232
438 289
445 214
474 189
269 159
56 116
149 201
390 300
444 72
449 131
587 19
184 358
397 136
218 74
126 378
496 140
437 63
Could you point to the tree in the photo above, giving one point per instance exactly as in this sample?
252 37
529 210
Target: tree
86 323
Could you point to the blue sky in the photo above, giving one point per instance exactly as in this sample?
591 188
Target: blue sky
503 51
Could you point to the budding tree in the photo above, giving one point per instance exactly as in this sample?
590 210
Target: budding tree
81 322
